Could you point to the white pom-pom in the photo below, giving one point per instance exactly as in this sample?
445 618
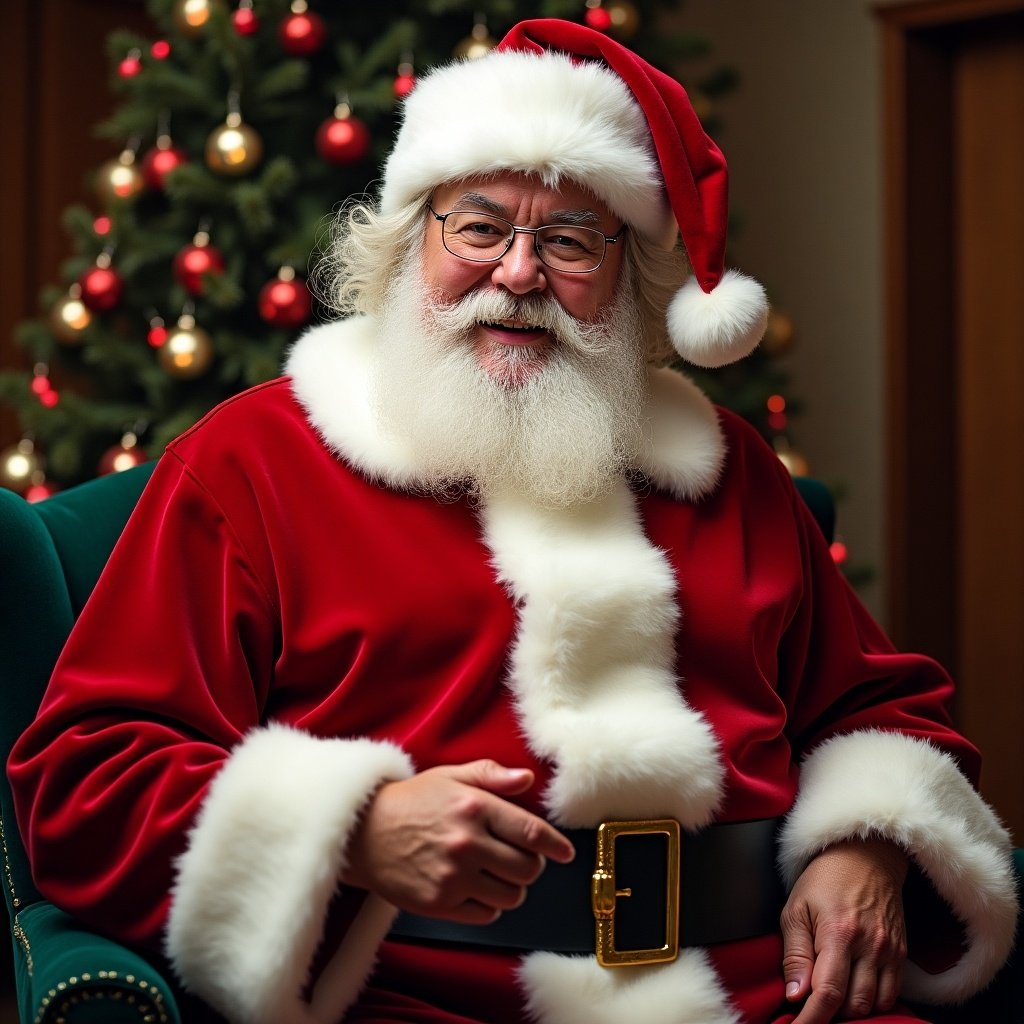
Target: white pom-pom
718 327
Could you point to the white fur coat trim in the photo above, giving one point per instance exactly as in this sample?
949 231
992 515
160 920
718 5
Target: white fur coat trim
592 668
262 865
332 367
569 990
904 789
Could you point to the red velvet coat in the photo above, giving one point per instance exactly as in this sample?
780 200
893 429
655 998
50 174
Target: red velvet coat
265 582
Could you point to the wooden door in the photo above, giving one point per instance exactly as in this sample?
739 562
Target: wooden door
955 274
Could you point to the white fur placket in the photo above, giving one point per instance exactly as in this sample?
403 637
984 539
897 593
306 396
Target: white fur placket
592 666
592 673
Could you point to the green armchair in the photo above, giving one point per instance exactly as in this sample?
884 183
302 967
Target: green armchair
51 554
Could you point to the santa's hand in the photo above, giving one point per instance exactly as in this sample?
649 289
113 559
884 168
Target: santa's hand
446 843
844 932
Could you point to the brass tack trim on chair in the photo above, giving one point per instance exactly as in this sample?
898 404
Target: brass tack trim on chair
54 1006
15 901
16 930
19 933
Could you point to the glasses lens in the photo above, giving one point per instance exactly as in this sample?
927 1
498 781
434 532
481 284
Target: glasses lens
481 237
572 249
476 236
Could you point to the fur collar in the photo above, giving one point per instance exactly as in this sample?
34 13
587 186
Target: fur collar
331 366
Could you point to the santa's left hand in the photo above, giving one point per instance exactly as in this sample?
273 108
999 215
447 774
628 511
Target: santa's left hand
844 933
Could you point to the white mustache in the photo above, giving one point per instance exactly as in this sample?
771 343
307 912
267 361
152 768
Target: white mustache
477 307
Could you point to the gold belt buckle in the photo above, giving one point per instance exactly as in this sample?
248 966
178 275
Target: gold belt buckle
603 894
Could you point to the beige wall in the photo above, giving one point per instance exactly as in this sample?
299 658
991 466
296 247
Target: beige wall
802 134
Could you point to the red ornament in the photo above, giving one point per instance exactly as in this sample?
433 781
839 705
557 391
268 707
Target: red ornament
285 301
40 490
163 158
160 50
130 66
245 19
302 32
404 84
157 333
102 225
101 287
598 18
839 552
405 81
195 260
44 390
342 139
119 457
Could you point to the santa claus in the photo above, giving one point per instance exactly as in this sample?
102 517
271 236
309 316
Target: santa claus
482 615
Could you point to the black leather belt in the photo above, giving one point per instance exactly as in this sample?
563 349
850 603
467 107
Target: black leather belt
728 889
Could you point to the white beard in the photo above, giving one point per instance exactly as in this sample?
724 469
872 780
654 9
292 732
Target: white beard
559 433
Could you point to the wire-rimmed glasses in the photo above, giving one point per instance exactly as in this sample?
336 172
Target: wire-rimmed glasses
483 238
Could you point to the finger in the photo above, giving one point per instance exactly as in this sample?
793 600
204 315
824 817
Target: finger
509 863
485 900
493 892
527 831
472 912
890 981
797 952
489 775
863 988
830 981
820 1008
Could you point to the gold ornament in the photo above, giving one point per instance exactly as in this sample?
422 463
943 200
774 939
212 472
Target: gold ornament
779 335
625 19
119 179
234 148
192 16
123 456
477 44
188 350
18 465
792 459
70 317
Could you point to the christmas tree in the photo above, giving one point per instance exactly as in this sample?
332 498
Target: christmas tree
240 127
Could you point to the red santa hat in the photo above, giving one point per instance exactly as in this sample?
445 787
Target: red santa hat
564 102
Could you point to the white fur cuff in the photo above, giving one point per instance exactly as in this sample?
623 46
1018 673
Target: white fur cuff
905 790
262 864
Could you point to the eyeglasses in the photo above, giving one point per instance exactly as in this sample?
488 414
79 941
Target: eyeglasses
481 238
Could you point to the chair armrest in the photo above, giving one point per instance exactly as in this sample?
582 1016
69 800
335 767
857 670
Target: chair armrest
67 972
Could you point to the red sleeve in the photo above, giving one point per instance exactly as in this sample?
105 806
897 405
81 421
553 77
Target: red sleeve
838 671
167 667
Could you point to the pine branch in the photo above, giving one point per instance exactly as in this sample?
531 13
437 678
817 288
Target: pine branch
192 184
288 77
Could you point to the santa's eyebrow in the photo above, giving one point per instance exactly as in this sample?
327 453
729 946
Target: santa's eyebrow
574 217
492 206
485 203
